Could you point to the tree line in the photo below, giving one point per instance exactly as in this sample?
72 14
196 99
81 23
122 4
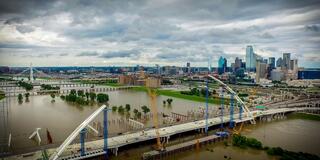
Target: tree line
84 98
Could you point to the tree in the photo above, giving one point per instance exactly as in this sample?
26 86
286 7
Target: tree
139 115
27 95
127 107
169 100
20 98
145 109
93 96
73 91
87 95
114 108
63 97
120 109
80 93
102 98
52 95
135 111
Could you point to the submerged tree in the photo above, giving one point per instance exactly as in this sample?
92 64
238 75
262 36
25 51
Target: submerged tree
145 109
93 96
27 96
120 109
102 98
114 108
52 96
20 98
87 95
128 107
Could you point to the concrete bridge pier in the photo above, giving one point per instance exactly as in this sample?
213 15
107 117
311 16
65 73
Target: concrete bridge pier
115 151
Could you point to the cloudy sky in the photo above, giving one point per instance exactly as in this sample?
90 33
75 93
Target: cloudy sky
149 32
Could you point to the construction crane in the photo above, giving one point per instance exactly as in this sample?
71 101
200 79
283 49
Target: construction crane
153 97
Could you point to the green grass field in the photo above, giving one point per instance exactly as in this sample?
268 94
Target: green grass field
177 94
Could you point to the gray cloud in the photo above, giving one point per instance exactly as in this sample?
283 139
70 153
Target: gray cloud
24 29
87 54
120 54
63 54
312 28
159 31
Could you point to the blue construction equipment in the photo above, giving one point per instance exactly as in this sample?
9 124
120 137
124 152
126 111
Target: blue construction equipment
222 107
231 123
105 131
82 137
240 112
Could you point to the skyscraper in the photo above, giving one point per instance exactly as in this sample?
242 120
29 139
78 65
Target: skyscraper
250 59
261 71
286 61
225 65
237 64
222 65
188 68
272 62
279 62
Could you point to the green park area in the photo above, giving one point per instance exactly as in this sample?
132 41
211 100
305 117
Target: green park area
188 95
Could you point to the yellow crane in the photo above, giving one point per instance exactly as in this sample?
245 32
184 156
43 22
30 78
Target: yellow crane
153 99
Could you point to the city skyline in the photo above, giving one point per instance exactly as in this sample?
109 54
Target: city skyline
120 33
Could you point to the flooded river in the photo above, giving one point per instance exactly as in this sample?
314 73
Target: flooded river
290 134
61 118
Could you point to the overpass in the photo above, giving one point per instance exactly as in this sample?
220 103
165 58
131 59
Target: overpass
15 91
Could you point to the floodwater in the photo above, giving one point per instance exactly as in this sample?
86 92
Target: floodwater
61 118
291 134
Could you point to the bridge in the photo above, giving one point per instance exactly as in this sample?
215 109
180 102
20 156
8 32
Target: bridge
65 89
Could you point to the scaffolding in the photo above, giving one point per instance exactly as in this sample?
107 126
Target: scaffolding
231 123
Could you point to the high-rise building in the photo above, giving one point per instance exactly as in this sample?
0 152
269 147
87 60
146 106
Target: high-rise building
158 69
225 65
286 61
188 68
295 65
279 62
250 59
237 64
272 62
265 61
291 64
261 71
222 65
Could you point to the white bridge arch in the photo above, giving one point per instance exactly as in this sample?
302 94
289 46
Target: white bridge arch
246 109
74 134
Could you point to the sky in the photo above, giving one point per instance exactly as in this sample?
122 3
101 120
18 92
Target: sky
149 32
